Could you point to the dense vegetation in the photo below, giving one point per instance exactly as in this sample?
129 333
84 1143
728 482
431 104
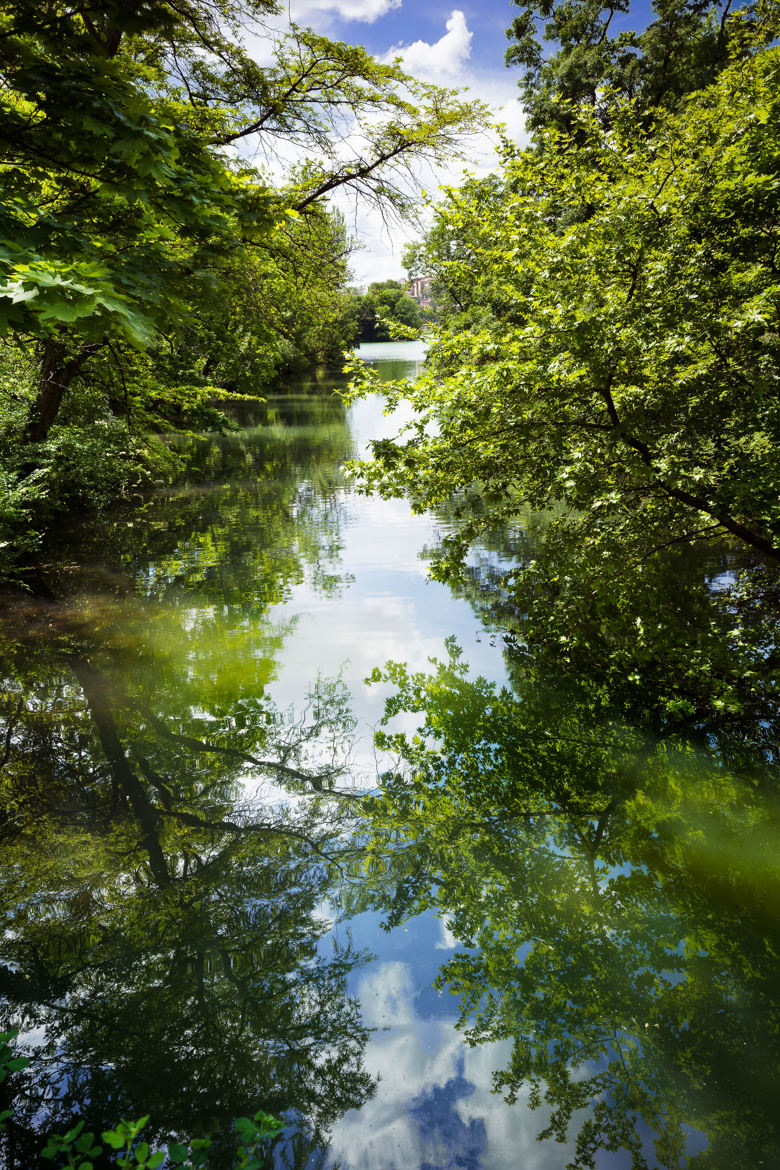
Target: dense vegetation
160 919
599 63
612 356
384 305
599 413
146 268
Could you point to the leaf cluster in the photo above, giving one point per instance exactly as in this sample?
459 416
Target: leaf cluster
607 886
596 60
615 372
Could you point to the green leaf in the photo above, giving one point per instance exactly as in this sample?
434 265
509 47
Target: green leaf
114 1139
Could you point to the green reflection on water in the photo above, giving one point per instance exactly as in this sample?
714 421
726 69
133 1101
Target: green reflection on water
160 923
605 845
159 939
618 891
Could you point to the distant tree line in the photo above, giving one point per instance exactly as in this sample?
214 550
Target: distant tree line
386 303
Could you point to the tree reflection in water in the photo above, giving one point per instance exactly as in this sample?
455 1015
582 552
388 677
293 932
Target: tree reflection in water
602 839
160 942
615 884
167 839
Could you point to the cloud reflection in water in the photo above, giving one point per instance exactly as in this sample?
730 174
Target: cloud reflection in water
433 1109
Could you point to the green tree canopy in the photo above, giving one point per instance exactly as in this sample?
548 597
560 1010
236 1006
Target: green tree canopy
161 918
610 887
597 60
622 368
122 206
386 301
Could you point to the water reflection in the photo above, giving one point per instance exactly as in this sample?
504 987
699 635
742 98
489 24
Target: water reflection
434 1106
616 895
585 865
167 844
160 937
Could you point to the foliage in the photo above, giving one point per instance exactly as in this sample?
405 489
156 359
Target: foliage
384 305
280 309
620 371
114 195
129 232
599 63
146 269
450 252
608 884
87 464
78 1148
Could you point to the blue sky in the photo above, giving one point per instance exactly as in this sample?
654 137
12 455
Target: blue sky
418 20
460 43
456 43
379 24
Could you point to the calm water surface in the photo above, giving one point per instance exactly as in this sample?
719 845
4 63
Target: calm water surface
191 930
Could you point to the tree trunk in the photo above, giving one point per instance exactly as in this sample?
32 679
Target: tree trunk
95 689
50 389
55 377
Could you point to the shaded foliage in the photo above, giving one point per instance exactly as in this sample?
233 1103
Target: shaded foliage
168 836
146 268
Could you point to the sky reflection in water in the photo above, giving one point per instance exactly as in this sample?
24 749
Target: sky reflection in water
223 601
433 1108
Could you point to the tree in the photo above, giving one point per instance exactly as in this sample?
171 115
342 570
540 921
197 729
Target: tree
450 252
407 312
161 925
123 206
386 299
621 369
598 62
608 884
278 307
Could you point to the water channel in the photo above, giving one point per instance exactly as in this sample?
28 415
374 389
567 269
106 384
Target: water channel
198 921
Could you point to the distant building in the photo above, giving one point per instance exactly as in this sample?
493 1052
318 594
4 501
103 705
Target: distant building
419 289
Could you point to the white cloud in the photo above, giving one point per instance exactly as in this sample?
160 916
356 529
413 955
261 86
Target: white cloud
366 11
512 116
442 61
446 61
448 941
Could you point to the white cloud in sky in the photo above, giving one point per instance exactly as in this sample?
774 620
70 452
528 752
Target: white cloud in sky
366 11
513 118
444 59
